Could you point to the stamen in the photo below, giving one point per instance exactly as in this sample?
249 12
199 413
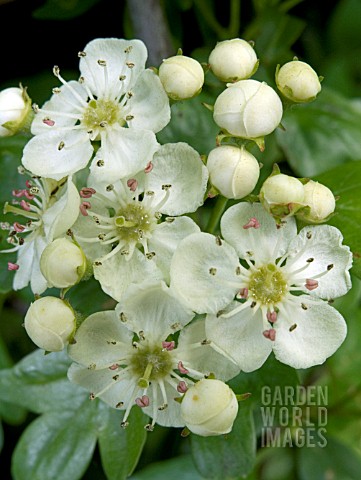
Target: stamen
132 183
311 284
13 266
142 401
252 223
169 346
271 316
182 387
87 192
181 368
84 207
149 167
270 334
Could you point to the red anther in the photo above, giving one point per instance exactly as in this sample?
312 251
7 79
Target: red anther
28 195
142 402
114 366
168 345
132 184
48 122
182 368
243 293
252 223
271 316
84 207
87 192
13 266
270 334
182 387
18 193
25 205
18 227
311 284
149 167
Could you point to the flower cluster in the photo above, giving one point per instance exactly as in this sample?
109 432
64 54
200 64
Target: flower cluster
104 200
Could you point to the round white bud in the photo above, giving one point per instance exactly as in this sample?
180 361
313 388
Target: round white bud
282 195
298 82
50 322
209 408
15 106
62 263
248 109
233 171
233 60
321 201
182 77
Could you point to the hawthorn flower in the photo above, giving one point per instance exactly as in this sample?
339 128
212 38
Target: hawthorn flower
49 208
116 102
182 77
15 110
131 356
121 229
276 298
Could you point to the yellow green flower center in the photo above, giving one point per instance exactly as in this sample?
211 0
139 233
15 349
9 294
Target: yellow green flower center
101 113
150 363
134 222
267 285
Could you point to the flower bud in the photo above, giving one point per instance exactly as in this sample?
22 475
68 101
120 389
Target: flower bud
320 200
298 82
63 263
233 171
209 408
282 195
248 109
50 322
233 60
182 77
15 108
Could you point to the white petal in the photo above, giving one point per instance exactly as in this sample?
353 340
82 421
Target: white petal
66 101
320 331
116 274
63 213
149 103
125 152
44 155
152 308
29 265
205 358
178 165
170 416
97 380
165 239
266 242
241 337
105 81
326 249
196 257
95 341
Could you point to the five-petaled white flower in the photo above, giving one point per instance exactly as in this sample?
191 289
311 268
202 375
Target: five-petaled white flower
131 356
116 101
276 297
50 209
121 228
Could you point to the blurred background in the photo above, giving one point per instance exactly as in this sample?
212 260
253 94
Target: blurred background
35 35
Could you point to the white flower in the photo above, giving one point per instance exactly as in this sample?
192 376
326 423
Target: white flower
122 229
50 209
282 195
320 201
116 101
209 408
182 77
233 171
233 60
248 109
50 323
131 356
280 298
15 107
298 82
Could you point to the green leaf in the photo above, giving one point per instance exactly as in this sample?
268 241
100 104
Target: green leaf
169 469
39 383
63 9
336 460
120 448
58 445
321 135
227 456
345 183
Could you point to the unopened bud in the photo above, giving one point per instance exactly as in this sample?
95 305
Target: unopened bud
182 77
248 109
209 408
63 263
233 171
50 322
233 60
298 82
320 202
282 195
15 108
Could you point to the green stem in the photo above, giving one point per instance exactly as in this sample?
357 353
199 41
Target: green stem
235 18
216 214
210 19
